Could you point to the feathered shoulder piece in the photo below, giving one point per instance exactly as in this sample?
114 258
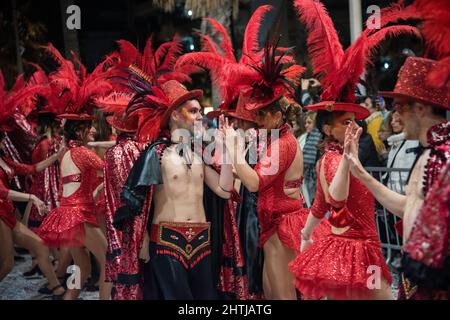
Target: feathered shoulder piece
79 87
339 71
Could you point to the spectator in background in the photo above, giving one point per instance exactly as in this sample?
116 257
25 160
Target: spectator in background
310 157
367 152
384 133
374 122
382 107
402 154
310 92
297 122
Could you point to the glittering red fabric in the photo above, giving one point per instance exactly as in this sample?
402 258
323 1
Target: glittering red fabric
132 237
64 226
438 138
118 163
276 211
45 184
338 265
232 281
6 206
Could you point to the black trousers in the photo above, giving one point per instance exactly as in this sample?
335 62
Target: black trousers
167 278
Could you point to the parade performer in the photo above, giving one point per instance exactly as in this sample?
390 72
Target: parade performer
11 230
73 224
119 160
158 64
179 236
337 266
241 270
277 175
421 98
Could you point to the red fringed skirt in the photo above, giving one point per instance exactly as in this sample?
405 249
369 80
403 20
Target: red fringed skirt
64 226
339 267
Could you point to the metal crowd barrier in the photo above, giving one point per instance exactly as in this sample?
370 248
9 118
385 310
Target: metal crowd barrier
391 242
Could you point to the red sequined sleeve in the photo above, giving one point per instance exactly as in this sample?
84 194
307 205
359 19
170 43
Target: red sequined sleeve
319 207
41 150
21 168
330 166
279 157
86 159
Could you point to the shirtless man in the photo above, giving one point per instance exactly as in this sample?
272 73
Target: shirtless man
178 241
422 110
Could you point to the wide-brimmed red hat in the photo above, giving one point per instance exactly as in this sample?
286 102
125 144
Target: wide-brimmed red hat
412 84
122 123
177 95
359 111
241 112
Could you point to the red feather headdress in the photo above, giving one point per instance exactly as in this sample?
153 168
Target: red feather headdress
47 100
273 78
339 71
435 27
12 100
139 78
157 64
79 87
227 73
153 104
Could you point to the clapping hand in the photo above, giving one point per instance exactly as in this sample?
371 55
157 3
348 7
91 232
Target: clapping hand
351 148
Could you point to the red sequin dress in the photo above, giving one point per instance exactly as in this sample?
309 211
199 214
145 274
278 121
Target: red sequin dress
118 162
278 212
6 205
64 226
339 266
45 184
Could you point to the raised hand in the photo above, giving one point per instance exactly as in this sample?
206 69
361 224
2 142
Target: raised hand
351 149
351 142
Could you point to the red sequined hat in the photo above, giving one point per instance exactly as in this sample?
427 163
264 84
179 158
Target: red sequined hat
412 84
154 104
177 95
241 112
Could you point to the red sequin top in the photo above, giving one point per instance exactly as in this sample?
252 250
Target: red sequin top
88 162
357 211
273 203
